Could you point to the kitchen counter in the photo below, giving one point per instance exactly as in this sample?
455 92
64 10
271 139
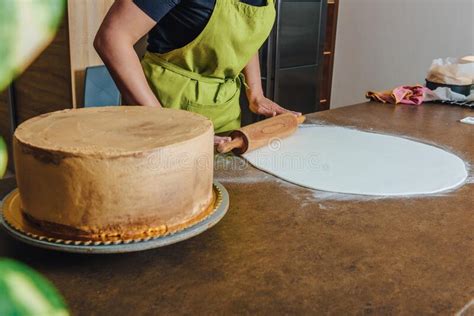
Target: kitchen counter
284 249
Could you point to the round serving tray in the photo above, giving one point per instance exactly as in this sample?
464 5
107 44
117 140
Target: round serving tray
13 222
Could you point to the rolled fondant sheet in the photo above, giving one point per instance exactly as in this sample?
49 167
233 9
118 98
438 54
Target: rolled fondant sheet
345 160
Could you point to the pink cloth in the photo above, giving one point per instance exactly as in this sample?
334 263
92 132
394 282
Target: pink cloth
414 95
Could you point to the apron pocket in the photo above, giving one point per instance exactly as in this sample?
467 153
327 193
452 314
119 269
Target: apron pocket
225 116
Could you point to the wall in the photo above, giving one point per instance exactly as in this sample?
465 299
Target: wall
384 43
85 17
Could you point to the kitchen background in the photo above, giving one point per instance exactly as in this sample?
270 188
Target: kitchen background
323 53
382 44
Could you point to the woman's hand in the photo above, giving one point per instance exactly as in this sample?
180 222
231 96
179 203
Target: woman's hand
258 103
264 106
218 140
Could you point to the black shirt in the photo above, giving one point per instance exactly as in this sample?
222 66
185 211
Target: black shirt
179 22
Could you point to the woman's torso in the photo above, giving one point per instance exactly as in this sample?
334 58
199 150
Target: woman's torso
179 22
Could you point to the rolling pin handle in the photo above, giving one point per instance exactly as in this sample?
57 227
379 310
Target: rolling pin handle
300 119
226 147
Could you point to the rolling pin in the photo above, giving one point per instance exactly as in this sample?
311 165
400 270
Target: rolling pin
259 134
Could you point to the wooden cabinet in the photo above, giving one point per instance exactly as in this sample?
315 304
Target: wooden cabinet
84 17
328 54
5 126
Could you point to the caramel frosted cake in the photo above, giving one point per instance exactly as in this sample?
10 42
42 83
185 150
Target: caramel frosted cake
121 172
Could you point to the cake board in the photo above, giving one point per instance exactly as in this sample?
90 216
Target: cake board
10 220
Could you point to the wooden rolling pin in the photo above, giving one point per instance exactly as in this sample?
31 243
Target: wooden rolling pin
259 134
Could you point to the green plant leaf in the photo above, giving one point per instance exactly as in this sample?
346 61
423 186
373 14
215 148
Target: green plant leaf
23 291
26 28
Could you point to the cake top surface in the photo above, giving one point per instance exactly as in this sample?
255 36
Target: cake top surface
111 130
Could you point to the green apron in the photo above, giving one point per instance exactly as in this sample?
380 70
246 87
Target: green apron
204 76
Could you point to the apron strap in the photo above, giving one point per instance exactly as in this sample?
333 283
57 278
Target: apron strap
222 82
183 72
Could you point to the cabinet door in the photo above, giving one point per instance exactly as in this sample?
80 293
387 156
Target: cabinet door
298 32
297 89
298 43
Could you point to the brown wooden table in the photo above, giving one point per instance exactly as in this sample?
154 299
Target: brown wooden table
283 249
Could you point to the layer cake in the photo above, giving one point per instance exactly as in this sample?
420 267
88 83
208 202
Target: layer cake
114 172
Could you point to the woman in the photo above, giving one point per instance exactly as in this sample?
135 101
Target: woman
197 50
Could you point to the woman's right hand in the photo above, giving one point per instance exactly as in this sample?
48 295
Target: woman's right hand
219 140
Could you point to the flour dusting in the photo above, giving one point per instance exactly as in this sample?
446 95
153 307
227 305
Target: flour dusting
233 169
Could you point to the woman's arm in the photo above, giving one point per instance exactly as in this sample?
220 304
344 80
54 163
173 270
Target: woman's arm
258 103
123 26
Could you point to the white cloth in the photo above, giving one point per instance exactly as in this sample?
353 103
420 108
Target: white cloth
446 94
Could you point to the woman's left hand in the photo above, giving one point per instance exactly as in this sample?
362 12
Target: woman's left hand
264 106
